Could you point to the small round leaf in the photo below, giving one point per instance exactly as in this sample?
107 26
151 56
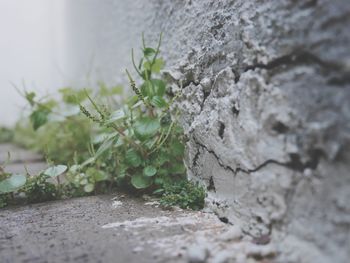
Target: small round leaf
140 182
149 171
89 188
55 170
12 183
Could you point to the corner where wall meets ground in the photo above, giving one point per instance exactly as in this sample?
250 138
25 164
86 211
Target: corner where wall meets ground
265 106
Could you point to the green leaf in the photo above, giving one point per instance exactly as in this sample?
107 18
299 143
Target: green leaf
177 148
148 51
158 191
47 105
73 96
177 168
88 188
158 65
165 120
83 181
159 86
88 161
12 183
99 138
133 158
30 98
162 158
146 89
38 118
158 102
121 172
96 174
106 145
146 127
155 67
55 170
74 168
147 65
132 100
116 116
141 182
149 171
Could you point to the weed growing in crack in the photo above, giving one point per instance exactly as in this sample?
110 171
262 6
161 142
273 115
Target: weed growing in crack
39 188
183 194
136 145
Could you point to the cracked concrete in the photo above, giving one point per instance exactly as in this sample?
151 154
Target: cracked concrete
265 106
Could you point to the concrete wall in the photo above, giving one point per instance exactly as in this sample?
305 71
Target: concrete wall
266 106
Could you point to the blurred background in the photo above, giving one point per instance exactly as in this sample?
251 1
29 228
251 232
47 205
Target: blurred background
32 51
46 45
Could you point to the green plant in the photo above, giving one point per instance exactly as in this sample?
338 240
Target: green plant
9 184
56 128
36 188
135 144
42 187
143 146
6 135
184 194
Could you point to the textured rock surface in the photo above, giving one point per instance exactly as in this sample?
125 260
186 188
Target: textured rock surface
265 104
92 229
266 108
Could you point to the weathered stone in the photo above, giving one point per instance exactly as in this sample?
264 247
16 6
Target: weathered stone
265 106
270 136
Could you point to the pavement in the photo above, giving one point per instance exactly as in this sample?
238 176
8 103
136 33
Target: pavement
108 228
20 161
115 228
99 229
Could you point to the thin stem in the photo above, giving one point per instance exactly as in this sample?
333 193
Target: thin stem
95 106
158 48
164 140
135 145
134 64
143 40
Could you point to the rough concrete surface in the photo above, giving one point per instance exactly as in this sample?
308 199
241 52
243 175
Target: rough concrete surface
265 105
119 229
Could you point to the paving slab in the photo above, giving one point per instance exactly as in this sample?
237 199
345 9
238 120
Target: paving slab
117 229
23 168
19 160
99 229
18 154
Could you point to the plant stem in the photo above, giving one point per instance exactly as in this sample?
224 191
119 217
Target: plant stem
134 144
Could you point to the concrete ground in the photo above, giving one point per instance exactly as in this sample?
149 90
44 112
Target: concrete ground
20 160
110 228
114 228
98 229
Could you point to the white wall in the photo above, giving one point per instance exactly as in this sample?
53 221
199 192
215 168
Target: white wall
52 43
101 35
32 51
